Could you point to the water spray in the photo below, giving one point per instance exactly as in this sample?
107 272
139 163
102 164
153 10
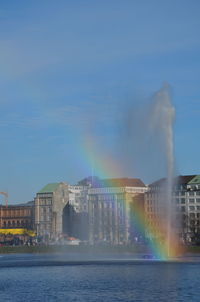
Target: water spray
163 115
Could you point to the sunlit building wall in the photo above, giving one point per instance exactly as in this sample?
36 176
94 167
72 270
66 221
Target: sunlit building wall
17 216
78 198
110 210
49 204
185 207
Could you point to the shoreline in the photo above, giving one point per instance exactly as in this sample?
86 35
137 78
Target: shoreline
85 249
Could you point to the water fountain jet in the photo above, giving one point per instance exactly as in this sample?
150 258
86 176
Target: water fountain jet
162 120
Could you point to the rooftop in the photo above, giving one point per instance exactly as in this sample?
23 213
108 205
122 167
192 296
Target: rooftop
179 180
49 188
119 182
195 180
184 179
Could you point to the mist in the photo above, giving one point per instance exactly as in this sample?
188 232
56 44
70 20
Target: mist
146 140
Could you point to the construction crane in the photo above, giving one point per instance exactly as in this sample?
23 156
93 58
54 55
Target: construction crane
6 197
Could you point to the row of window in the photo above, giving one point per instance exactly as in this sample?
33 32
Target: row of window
177 201
180 193
182 208
44 210
45 217
190 193
190 200
18 223
193 208
107 205
190 208
16 213
45 202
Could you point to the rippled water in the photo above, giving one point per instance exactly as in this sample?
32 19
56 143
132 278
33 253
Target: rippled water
136 281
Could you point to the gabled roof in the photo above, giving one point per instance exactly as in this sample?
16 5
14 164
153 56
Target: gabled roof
195 180
50 188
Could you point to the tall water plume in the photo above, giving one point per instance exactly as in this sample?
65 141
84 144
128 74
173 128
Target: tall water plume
148 150
162 118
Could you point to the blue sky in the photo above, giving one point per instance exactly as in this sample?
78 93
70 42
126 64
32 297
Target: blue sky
72 69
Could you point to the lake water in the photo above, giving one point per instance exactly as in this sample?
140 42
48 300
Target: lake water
56 278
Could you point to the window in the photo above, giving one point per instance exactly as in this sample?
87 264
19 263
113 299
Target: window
182 200
191 193
192 223
191 208
182 209
191 200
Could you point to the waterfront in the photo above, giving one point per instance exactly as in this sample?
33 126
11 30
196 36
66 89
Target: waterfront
131 281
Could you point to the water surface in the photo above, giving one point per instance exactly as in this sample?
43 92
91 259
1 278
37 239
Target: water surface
106 281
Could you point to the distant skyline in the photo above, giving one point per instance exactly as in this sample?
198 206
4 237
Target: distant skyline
73 72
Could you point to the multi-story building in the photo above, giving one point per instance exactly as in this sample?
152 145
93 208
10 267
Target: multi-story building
49 204
78 198
110 204
108 210
17 216
184 207
190 210
75 214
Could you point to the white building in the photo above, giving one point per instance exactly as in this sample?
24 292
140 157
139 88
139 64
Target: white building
110 209
78 198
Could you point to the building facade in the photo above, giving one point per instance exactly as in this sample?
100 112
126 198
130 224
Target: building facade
17 216
109 209
78 198
49 204
185 208
75 214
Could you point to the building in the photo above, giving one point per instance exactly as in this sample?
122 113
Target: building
75 214
191 210
184 203
78 198
50 202
110 209
17 216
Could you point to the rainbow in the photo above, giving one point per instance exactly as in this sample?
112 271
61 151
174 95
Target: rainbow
107 168
104 166
158 247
